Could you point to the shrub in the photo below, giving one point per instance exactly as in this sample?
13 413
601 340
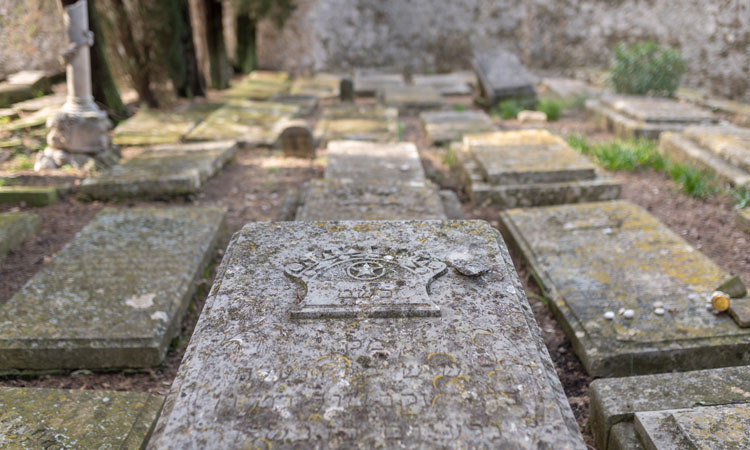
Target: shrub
646 69
550 107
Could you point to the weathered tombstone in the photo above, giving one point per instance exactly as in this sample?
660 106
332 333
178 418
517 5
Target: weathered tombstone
723 151
568 89
455 83
346 90
250 123
366 335
743 219
160 172
57 418
307 104
443 127
30 195
36 104
502 77
358 122
529 168
258 85
322 86
80 128
148 127
645 117
114 297
16 228
739 112
360 161
616 403
598 258
412 99
370 82
23 85
296 140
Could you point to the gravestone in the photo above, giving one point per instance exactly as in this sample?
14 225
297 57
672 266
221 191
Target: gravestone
250 123
30 195
724 151
114 297
306 103
411 99
296 140
36 104
455 83
34 120
371 82
743 219
258 85
645 117
442 127
529 168
150 127
616 402
596 258
62 419
23 85
15 228
161 172
568 89
346 90
322 86
358 122
366 335
502 77
356 160
739 112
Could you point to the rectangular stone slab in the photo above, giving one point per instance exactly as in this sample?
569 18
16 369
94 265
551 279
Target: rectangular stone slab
352 199
712 427
597 257
57 418
114 297
162 171
258 85
476 376
357 160
31 195
568 89
728 142
35 104
15 228
455 83
368 82
248 122
409 99
502 77
158 127
362 123
614 401
444 126
322 85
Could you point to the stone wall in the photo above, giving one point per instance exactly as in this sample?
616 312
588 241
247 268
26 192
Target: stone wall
31 36
436 35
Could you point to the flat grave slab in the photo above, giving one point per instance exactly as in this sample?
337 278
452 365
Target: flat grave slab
454 83
306 103
502 77
250 123
355 122
595 258
646 117
31 195
723 151
35 104
743 219
568 89
740 112
363 335
161 172
33 120
112 298
357 160
529 168
148 127
351 199
322 85
16 228
411 99
23 85
370 82
443 127
258 85
615 402
57 418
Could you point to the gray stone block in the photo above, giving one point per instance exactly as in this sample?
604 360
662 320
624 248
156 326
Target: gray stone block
412 99
31 195
502 77
451 205
371 82
114 296
357 160
250 123
355 122
476 376
15 228
443 127
454 83
597 257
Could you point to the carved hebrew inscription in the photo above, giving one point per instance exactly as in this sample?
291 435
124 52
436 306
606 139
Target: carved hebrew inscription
350 282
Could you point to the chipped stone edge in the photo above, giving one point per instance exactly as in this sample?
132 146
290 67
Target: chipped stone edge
681 148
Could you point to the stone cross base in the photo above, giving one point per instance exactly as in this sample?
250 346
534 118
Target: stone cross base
80 139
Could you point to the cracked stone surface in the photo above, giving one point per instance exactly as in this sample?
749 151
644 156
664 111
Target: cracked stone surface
114 296
478 375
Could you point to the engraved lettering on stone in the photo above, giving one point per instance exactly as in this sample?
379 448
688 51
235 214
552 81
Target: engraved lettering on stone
351 282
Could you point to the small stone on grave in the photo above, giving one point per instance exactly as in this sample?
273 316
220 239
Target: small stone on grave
296 140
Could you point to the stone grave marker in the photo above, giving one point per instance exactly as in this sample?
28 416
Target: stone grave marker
743 219
296 140
258 85
15 228
645 117
148 127
306 103
442 127
412 99
454 83
358 122
62 419
250 123
31 195
370 82
568 89
357 160
160 172
723 151
739 112
322 86
114 297
502 77
22 86
365 335
616 403
36 104
346 90
614 257
529 168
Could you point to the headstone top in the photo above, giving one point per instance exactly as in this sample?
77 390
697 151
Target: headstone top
476 376
502 76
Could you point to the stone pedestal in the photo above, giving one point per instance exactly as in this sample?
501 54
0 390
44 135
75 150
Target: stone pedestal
79 131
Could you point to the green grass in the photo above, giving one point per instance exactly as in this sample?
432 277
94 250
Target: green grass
507 110
553 108
449 156
22 161
695 182
459 108
741 196
401 131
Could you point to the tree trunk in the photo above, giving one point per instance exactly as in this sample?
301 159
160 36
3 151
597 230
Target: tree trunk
103 83
217 53
246 56
195 83
198 25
